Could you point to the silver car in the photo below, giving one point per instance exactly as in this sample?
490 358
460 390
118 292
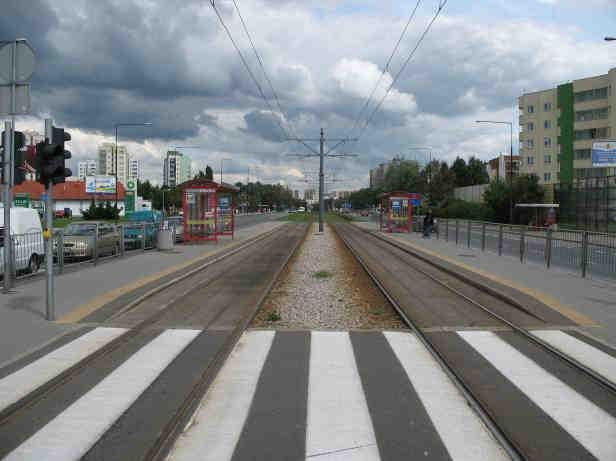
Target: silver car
80 241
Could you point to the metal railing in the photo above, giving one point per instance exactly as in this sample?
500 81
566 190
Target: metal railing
29 249
589 253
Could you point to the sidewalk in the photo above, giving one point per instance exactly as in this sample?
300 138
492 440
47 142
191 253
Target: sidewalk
594 299
22 314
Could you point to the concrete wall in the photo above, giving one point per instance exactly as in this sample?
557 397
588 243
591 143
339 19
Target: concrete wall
471 193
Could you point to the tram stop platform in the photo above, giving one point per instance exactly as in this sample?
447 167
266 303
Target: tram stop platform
80 291
591 301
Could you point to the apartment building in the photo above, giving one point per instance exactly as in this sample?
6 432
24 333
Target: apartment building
503 166
134 169
176 168
107 161
87 168
559 125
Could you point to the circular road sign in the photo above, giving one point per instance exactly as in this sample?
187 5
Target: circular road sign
24 62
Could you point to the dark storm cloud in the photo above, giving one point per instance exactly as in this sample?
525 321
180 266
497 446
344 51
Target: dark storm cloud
264 124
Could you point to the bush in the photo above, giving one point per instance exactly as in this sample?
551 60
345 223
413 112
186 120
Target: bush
461 209
101 210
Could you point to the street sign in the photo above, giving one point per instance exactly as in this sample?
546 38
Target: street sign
100 185
22 200
22 99
24 62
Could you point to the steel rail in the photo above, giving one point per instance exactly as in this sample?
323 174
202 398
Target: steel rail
64 377
457 381
597 377
160 450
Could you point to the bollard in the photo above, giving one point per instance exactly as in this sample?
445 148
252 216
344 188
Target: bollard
60 251
548 248
95 249
584 253
483 236
122 243
469 228
522 245
457 230
143 237
500 239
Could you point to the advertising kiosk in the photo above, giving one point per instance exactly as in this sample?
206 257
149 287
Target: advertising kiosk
208 210
396 211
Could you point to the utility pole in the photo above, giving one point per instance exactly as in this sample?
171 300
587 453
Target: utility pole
50 305
322 154
7 169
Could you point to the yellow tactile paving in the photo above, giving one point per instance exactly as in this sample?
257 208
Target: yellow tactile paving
546 299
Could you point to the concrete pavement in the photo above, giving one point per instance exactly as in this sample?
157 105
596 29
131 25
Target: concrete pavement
22 314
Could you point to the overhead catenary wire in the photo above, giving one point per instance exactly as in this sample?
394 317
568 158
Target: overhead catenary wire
260 62
245 63
406 62
385 69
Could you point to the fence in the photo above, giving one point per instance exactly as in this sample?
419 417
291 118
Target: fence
589 253
29 249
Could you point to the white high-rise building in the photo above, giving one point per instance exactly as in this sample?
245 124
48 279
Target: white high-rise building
107 161
176 169
134 169
87 168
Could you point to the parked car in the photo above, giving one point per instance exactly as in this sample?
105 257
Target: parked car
27 237
140 222
81 238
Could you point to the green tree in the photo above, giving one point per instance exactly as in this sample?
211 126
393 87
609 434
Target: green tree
496 199
442 181
209 173
477 171
402 175
460 170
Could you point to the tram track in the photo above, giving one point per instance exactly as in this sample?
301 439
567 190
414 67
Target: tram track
357 239
271 250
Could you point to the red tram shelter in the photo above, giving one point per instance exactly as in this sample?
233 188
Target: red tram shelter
397 211
209 209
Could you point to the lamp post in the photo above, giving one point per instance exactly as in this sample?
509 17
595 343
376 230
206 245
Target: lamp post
510 162
221 162
117 125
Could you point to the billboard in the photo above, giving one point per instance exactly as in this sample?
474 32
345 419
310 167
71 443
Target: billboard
604 153
100 185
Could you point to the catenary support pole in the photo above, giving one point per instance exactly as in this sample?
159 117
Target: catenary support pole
321 179
50 305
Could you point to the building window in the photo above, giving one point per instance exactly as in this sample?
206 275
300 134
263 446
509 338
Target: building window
581 154
547 107
591 95
593 133
547 177
530 143
558 176
530 126
547 124
547 142
530 160
530 109
594 114
547 159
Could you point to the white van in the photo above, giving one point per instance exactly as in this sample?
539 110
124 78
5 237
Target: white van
27 236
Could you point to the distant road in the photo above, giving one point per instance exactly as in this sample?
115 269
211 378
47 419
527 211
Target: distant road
252 219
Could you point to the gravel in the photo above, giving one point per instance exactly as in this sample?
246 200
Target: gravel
325 288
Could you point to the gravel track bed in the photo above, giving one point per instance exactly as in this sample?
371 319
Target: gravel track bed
325 288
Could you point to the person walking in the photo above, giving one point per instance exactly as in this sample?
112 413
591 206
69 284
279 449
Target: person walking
428 224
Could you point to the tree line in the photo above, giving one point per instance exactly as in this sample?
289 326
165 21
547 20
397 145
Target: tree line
437 180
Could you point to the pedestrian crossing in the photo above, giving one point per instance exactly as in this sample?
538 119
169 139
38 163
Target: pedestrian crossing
327 395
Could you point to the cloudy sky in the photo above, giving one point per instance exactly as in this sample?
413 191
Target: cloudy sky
170 62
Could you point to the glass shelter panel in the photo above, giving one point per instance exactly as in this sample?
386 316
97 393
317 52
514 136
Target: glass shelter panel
225 214
200 219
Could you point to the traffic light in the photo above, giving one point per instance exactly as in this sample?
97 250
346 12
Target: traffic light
19 141
50 158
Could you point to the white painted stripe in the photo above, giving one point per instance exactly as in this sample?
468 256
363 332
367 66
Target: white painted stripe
73 432
587 423
217 424
25 380
460 429
339 424
584 353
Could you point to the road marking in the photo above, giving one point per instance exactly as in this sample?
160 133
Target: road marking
25 380
587 423
546 299
588 355
460 429
339 424
217 425
71 434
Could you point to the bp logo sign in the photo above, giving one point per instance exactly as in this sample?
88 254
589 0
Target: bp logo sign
131 185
